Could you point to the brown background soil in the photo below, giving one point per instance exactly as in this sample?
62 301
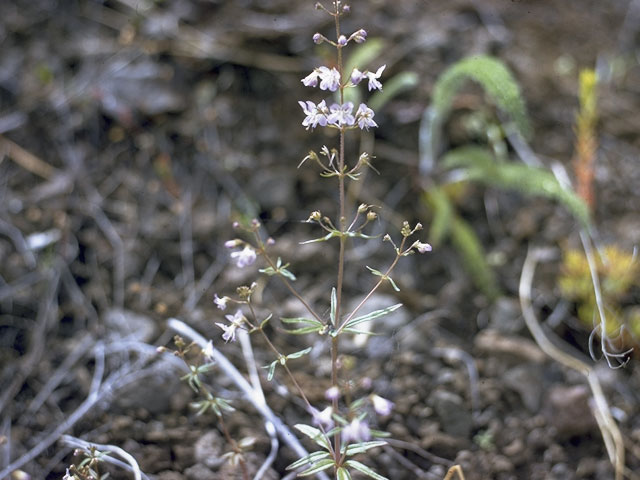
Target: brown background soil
135 133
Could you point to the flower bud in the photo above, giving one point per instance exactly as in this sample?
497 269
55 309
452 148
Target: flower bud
315 216
317 38
360 36
371 216
346 9
406 229
233 243
342 40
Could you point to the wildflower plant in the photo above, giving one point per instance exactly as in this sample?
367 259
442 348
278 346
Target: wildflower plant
343 428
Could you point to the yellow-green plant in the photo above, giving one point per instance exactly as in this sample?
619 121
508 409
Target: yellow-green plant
618 272
483 164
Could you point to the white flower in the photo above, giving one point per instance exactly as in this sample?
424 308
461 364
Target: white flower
311 80
364 117
230 330
315 114
357 76
329 79
332 393
373 78
341 115
221 303
244 257
323 418
421 247
357 430
382 406
207 351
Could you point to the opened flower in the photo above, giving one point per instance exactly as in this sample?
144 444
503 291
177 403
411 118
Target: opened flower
356 431
235 321
373 78
341 115
315 114
364 117
244 257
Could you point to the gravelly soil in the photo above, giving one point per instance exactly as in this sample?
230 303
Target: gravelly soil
134 133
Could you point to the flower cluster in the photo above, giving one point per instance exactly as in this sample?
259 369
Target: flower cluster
340 115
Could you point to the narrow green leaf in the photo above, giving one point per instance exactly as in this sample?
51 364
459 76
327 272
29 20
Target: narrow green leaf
363 447
393 284
370 316
318 467
314 434
311 458
496 80
286 273
361 467
304 330
374 271
479 165
302 320
300 353
272 369
355 331
265 321
322 239
343 474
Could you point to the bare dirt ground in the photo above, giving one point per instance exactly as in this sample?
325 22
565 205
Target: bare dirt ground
132 135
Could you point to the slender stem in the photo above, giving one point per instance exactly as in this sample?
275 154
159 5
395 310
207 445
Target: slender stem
285 366
342 223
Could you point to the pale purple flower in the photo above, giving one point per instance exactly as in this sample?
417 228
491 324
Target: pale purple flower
357 431
317 38
341 115
342 40
373 78
221 303
315 114
421 247
364 117
323 418
232 243
230 330
329 78
332 393
244 257
311 80
382 406
356 76
346 9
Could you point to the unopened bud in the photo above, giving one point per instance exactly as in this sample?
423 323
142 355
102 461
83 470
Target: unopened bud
342 40
317 38
360 36
371 216
346 9
233 243
406 229
386 238
271 241
315 216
